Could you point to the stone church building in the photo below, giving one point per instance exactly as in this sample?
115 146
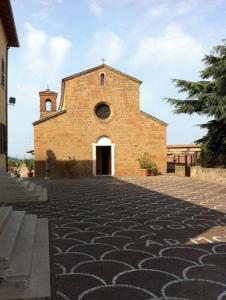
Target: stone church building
98 129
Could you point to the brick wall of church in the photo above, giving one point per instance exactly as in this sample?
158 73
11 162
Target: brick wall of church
73 133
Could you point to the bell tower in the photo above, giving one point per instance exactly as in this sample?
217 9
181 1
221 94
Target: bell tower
47 103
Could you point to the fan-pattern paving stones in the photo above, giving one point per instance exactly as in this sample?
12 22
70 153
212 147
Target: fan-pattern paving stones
160 237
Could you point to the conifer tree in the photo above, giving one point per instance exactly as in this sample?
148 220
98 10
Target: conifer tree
208 97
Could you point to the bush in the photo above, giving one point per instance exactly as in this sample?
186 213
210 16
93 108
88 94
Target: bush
11 163
146 162
14 166
29 164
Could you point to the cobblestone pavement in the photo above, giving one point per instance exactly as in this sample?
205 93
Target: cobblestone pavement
160 237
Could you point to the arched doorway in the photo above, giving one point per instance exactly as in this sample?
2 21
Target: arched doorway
103 157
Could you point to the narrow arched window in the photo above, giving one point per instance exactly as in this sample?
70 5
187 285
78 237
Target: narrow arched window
48 105
102 79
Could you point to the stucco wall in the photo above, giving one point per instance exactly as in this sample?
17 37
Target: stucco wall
3 44
73 133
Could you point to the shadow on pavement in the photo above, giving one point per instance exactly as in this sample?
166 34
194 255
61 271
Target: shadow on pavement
115 239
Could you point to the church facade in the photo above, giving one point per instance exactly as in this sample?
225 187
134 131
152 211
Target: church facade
98 128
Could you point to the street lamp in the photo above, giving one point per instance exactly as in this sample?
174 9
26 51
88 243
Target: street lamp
12 101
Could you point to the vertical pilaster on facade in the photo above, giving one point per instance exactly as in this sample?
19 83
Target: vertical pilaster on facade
47 103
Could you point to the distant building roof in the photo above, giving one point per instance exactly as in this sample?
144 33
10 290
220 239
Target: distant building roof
184 146
6 15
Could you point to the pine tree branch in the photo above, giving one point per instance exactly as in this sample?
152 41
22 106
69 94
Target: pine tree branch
185 106
208 97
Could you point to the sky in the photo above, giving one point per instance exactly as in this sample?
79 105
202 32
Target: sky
154 41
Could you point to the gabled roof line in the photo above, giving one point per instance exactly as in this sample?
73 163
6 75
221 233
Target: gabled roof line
99 67
49 117
88 71
153 118
6 15
46 92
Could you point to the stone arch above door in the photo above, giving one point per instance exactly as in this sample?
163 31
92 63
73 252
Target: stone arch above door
103 141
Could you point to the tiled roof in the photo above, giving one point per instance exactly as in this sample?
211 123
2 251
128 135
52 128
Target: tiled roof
6 15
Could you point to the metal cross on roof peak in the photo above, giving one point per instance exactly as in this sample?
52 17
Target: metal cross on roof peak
103 60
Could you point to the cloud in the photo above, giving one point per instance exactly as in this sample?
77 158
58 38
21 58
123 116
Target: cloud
45 6
174 47
50 2
40 63
35 41
159 10
168 8
43 14
108 45
59 47
95 7
44 52
185 7
177 8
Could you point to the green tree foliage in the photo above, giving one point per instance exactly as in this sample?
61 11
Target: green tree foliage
208 97
14 163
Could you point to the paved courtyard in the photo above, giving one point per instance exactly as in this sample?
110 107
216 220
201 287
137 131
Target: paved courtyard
160 237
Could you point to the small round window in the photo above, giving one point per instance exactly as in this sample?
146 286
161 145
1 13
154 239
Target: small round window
102 111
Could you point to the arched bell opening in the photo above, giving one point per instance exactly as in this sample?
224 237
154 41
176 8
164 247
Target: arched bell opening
48 105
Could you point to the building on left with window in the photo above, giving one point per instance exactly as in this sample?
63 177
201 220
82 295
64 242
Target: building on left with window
8 38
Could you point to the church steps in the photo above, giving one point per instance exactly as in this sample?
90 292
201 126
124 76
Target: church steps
13 195
25 183
24 243
40 273
18 273
43 195
4 215
31 187
39 283
12 190
8 237
37 190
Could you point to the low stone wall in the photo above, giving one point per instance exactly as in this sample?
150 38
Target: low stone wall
182 171
209 174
